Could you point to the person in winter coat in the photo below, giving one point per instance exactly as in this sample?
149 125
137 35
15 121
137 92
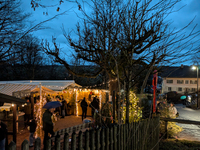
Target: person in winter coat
84 108
63 107
3 134
94 105
48 124
32 124
27 111
172 111
58 109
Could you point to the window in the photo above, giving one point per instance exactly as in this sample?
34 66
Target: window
179 89
169 81
186 81
193 81
170 88
187 90
180 81
193 89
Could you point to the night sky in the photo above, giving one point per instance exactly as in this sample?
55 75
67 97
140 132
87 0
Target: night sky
181 18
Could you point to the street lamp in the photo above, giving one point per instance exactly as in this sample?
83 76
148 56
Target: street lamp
197 68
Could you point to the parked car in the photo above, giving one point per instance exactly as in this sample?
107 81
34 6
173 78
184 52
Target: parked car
174 97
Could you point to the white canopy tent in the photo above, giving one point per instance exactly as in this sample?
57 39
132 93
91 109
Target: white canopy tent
56 85
48 86
19 88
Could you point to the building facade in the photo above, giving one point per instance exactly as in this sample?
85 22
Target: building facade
180 85
180 79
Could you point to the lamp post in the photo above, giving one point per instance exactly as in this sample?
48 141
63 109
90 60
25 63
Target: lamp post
197 68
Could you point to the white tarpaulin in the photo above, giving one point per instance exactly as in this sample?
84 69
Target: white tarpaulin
56 85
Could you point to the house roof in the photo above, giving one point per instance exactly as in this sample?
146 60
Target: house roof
178 72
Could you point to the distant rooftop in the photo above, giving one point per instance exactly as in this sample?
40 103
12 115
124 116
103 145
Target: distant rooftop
178 72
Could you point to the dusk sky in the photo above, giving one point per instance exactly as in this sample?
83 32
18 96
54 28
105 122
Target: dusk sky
69 20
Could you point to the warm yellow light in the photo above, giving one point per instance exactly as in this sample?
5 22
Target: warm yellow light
194 67
12 105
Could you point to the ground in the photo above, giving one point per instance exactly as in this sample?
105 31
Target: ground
66 122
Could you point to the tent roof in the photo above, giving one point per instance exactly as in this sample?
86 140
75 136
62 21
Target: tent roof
10 99
56 85
8 89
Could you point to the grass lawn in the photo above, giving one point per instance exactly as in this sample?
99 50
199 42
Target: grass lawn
174 144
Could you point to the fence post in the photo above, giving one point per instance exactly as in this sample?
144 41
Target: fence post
132 136
102 138
125 139
129 135
97 139
166 135
12 146
115 138
66 141
25 145
136 134
107 139
141 136
92 146
73 145
87 140
119 137
80 140
122 134
111 138
37 144
57 141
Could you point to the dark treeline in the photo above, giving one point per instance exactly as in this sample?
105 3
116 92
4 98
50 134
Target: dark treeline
45 72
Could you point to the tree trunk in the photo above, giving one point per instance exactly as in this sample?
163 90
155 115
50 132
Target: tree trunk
113 85
127 101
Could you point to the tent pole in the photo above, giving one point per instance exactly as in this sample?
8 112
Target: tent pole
40 85
76 103
14 123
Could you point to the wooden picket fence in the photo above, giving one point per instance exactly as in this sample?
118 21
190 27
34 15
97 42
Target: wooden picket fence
143 135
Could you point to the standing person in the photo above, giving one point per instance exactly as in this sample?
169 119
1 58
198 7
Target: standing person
66 104
3 134
172 111
27 111
32 123
84 108
47 124
58 109
94 105
63 107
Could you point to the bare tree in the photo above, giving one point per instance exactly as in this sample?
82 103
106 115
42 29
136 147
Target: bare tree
11 26
125 39
28 56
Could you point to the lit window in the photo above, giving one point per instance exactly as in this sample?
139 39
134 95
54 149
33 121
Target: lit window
193 81
179 81
169 81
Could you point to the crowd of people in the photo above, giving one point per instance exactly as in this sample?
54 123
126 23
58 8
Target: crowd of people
94 106
30 121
